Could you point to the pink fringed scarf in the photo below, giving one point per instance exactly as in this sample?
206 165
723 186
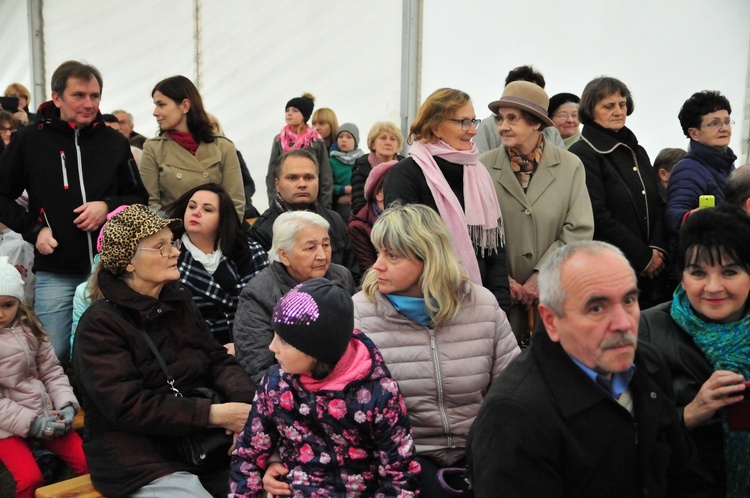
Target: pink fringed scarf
482 210
290 140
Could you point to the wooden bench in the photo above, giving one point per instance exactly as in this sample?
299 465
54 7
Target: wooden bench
78 421
78 487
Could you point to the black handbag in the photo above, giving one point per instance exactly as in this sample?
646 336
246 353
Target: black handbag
202 447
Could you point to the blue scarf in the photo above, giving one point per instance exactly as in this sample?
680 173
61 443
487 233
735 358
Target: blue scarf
727 347
414 308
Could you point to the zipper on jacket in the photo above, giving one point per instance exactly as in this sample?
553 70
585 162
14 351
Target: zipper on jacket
27 351
439 378
66 186
330 445
83 193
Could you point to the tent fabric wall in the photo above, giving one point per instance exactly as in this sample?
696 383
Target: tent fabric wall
256 56
664 51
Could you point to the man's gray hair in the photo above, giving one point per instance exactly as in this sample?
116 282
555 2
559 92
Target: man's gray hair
287 226
737 187
551 291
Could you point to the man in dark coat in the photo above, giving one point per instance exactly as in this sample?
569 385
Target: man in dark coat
296 177
75 170
581 412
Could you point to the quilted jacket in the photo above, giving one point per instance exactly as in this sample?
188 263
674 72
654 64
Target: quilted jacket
444 373
32 382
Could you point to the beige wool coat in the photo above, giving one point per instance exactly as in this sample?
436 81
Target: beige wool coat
168 170
555 210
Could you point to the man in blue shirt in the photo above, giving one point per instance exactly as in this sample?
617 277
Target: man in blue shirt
582 412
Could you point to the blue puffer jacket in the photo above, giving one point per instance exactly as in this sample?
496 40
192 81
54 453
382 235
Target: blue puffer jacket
703 171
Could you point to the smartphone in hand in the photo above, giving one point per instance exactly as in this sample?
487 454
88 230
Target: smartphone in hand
706 201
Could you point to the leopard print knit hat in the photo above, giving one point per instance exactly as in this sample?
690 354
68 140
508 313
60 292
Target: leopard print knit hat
125 230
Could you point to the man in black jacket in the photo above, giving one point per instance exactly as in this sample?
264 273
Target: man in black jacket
296 178
76 170
581 412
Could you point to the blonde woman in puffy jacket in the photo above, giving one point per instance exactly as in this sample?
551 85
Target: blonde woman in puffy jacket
36 400
444 338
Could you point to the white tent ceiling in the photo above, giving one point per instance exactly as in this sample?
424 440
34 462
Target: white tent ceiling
251 57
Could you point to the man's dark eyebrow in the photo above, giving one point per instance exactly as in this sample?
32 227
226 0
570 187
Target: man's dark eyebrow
595 299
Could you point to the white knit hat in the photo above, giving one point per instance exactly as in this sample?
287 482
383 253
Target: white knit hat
11 283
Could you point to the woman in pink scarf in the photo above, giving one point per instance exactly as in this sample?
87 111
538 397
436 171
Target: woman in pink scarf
297 134
443 173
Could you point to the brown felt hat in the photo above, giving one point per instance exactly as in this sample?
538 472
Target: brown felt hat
525 96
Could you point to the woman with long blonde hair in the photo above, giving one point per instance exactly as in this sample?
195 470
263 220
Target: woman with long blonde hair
443 337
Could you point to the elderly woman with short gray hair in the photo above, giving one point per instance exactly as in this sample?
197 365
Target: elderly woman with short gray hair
300 251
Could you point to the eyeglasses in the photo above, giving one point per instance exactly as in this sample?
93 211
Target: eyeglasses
510 118
565 115
166 249
466 124
5 128
718 124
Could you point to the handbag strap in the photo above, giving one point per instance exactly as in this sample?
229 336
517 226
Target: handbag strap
152 347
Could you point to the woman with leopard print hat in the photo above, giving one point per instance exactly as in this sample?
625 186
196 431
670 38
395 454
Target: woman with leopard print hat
132 415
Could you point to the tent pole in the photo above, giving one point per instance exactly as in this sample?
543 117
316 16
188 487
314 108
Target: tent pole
411 41
36 52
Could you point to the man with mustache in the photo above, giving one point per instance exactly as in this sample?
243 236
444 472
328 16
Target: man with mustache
582 412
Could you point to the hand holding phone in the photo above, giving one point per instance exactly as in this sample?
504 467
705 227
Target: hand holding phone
9 104
738 414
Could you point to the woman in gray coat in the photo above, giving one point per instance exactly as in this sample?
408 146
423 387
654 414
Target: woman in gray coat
300 251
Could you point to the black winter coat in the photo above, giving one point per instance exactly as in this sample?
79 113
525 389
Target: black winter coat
622 184
342 252
405 182
689 369
546 429
362 170
129 406
43 158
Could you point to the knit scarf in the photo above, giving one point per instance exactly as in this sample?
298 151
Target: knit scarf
184 139
289 139
524 165
479 224
727 347
373 159
347 157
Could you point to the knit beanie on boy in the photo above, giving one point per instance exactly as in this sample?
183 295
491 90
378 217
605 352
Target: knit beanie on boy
350 128
11 283
303 104
316 317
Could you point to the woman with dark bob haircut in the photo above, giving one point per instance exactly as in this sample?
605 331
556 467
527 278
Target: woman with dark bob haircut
218 258
705 120
186 153
628 211
704 335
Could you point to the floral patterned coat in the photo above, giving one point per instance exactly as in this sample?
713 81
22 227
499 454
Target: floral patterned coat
352 442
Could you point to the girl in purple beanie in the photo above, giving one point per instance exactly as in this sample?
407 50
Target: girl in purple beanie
330 407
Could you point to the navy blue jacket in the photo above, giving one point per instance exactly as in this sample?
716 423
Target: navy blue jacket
703 171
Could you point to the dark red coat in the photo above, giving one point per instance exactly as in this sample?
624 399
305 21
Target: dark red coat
358 229
128 404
